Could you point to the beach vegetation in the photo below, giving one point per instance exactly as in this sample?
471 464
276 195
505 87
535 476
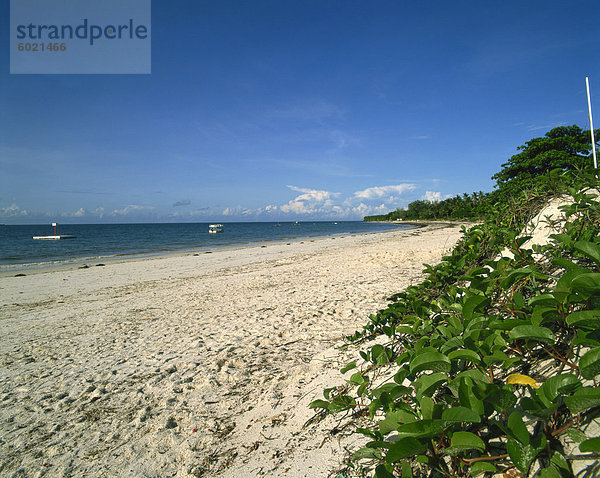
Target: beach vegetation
565 148
491 363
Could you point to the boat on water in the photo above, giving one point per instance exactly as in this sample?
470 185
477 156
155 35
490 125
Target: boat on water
55 236
214 228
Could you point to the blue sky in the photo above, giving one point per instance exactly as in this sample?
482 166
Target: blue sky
295 110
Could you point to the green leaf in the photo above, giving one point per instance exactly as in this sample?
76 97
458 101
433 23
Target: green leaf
562 238
362 390
587 283
404 448
366 453
348 366
584 318
523 454
327 392
497 356
467 398
357 378
476 323
502 400
544 300
515 275
473 374
428 384
575 435
542 314
406 470
482 467
421 429
392 388
319 404
562 384
342 402
587 338
460 414
427 406
532 332
394 419
549 472
583 399
391 422
589 249
465 354
382 472
538 408
380 355
431 360
518 300
517 428
466 441
593 444
473 304
507 324
589 364
373 407
560 463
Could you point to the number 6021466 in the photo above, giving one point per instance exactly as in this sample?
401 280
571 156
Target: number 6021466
42 46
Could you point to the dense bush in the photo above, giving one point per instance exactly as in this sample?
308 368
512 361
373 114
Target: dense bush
490 364
467 206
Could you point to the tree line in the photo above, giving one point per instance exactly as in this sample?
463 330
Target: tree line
561 149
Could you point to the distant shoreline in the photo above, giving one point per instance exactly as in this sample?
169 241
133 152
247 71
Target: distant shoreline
10 270
80 253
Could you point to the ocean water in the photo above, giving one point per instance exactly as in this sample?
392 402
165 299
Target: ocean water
97 241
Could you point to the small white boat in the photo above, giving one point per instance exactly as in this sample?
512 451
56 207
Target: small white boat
55 236
214 228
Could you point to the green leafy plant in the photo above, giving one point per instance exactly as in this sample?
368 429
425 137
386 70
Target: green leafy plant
491 362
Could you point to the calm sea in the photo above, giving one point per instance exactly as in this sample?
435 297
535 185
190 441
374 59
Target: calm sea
96 241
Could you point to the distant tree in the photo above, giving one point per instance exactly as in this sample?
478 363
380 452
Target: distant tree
565 147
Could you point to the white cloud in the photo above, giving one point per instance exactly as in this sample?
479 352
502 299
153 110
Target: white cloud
131 209
309 202
432 196
13 211
382 191
183 202
79 213
322 204
237 211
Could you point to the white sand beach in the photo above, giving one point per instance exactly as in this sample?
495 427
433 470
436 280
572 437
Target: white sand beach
192 364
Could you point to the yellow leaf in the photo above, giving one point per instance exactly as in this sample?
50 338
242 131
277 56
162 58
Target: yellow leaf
518 379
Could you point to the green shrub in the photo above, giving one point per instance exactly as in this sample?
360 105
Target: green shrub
490 361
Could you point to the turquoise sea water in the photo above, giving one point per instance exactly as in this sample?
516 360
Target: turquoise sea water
96 241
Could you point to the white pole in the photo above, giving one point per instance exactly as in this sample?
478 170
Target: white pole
587 85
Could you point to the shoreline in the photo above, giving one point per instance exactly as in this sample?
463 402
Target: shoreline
9 270
193 365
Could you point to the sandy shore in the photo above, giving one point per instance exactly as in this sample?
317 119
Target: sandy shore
192 365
